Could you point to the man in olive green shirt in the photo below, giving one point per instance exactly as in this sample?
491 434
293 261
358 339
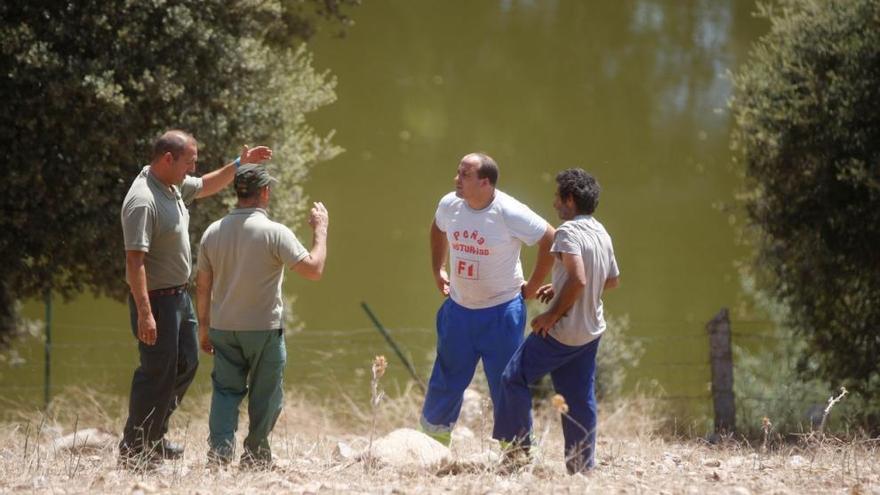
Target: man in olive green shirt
155 226
241 268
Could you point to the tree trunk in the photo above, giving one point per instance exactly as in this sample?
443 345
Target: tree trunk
8 314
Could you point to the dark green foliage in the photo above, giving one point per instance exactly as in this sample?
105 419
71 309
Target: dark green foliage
807 107
87 86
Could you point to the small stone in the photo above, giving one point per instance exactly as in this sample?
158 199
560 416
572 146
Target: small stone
343 452
712 463
462 432
142 487
406 446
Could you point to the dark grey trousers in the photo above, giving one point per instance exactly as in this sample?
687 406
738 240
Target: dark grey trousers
165 372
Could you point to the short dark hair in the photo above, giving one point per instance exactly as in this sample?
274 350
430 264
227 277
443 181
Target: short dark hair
582 187
488 169
173 141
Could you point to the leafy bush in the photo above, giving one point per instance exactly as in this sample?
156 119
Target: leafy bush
87 86
807 109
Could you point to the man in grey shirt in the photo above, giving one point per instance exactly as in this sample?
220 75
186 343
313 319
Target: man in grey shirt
241 268
155 226
564 338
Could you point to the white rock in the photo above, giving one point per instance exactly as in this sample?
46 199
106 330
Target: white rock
741 490
88 439
797 461
488 458
527 478
462 433
344 452
407 447
471 407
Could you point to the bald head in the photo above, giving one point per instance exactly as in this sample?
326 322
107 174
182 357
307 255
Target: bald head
486 166
174 142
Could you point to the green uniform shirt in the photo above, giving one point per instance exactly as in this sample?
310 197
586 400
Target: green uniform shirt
245 253
155 220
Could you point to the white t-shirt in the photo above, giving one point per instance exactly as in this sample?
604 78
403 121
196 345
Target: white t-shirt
484 247
586 237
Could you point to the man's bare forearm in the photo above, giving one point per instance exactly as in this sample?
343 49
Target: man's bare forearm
439 248
319 248
216 180
312 266
571 291
204 281
544 262
137 283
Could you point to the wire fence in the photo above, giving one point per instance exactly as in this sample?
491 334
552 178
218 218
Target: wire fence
104 356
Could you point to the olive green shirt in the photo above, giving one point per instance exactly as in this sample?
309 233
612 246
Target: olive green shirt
155 220
245 252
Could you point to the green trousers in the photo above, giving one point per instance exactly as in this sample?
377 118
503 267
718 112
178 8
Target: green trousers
245 363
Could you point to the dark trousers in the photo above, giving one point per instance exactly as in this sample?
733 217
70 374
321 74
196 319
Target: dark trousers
165 372
573 370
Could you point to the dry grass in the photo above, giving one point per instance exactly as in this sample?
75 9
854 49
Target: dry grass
632 458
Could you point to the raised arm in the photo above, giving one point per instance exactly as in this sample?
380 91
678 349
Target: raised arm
137 282
543 265
213 182
439 252
312 266
571 290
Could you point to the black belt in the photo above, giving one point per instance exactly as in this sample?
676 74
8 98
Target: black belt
170 291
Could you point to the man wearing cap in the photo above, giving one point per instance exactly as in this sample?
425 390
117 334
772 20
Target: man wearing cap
155 226
482 230
240 270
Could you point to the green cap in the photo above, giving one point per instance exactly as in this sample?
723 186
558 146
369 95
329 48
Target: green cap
250 178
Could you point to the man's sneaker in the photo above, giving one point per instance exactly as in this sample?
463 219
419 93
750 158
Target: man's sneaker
250 462
138 459
170 450
217 461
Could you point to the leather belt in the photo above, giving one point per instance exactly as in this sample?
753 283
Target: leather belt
170 291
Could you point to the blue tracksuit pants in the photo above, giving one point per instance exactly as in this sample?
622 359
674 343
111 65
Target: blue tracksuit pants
573 370
464 336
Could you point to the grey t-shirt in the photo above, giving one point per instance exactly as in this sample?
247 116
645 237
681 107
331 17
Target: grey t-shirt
155 220
246 252
583 236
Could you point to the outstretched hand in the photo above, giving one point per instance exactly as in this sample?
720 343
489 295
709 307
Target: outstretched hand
318 216
545 293
257 155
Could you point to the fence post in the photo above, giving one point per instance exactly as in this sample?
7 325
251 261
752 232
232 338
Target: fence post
47 371
721 362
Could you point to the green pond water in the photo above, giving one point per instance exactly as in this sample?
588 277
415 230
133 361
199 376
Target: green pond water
633 91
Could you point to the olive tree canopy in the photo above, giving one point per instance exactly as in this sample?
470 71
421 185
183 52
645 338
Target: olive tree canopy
87 87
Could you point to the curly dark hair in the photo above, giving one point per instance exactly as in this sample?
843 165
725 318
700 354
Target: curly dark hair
578 184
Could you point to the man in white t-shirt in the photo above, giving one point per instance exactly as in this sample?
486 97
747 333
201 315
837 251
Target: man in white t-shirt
564 338
482 230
